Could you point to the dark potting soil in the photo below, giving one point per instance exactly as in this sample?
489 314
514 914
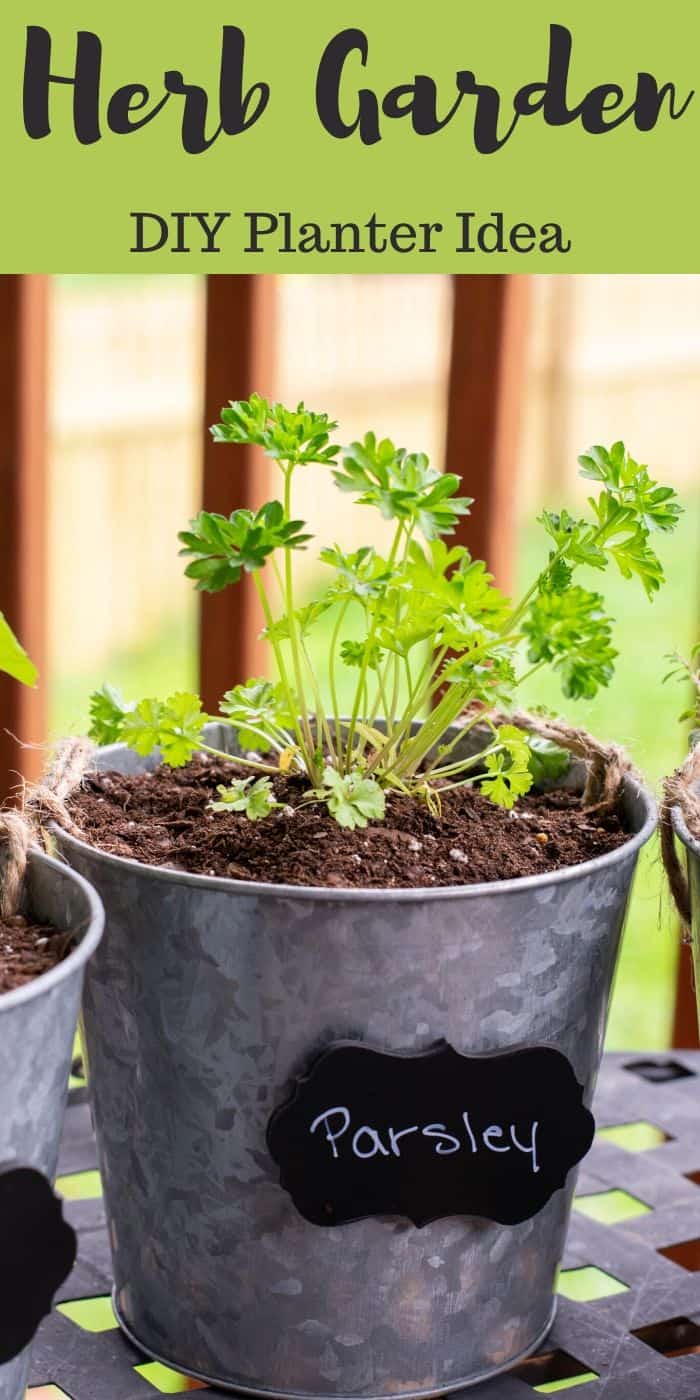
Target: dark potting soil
27 950
162 819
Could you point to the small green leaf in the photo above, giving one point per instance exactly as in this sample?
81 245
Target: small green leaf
546 761
508 770
107 711
256 705
255 798
354 653
141 728
306 618
173 725
363 574
13 658
353 800
222 547
293 436
402 486
571 631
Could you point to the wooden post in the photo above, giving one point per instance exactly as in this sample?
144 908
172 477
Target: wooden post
685 1015
485 390
240 358
23 444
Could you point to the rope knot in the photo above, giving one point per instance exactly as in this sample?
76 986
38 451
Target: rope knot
681 791
47 799
607 764
15 835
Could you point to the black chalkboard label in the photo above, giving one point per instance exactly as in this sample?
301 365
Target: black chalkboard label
37 1253
429 1135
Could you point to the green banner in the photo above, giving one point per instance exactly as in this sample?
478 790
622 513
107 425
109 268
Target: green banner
265 137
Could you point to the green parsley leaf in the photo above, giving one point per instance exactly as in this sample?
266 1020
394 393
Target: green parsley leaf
353 800
546 761
13 658
627 542
173 725
363 574
222 547
255 705
353 654
508 771
403 486
107 711
255 798
293 436
572 632
655 506
575 537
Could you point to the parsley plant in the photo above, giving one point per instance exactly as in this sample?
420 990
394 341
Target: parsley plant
432 619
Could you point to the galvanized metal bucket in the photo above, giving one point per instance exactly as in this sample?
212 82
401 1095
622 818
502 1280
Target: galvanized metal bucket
37 1027
208 996
692 850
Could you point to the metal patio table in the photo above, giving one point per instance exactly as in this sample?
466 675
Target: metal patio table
628 1321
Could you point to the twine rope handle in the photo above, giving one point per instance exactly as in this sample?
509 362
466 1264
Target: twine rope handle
15 836
607 765
681 790
46 800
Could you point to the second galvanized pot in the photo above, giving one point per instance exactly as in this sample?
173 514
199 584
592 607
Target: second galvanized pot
37 1028
691 845
207 998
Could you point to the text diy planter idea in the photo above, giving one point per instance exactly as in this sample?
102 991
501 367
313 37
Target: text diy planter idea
37 1028
338 1116
263 1068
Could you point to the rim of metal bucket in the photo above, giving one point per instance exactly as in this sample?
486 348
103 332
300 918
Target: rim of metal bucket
677 819
80 954
265 1393
378 894
679 826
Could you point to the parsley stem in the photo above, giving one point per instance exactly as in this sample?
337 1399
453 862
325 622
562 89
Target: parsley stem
270 738
236 758
331 674
359 693
532 672
322 726
281 668
447 749
514 617
421 695
314 775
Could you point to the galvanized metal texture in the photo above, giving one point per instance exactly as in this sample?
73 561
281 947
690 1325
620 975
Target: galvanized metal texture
37 1027
208 996
692 848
